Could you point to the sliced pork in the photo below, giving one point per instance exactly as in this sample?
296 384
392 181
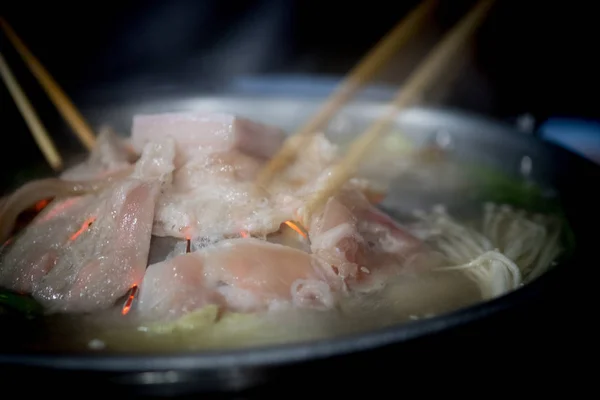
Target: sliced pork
210 198
90 250
193 185
310 165
363 244
217 156
32 254
267 272
107 255
213 193
197 133
239 274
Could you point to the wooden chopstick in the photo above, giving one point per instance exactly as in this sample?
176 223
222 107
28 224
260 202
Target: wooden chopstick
61 101
38 131
360 74
419 80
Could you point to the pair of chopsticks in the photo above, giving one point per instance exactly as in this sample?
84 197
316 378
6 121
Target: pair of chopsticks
425 75
58 97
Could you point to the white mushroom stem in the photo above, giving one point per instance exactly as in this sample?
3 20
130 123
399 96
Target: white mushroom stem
494 273
512 246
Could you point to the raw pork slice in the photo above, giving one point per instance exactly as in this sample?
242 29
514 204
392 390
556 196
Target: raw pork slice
83 253
240 274
208 198
101 261
195 133
33 252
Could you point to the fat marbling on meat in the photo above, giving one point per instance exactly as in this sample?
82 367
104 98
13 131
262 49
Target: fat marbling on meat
199 132
239 274
88 254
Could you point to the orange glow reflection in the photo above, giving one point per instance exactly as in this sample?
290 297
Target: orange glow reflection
129 301
297 228
59 208
40 205
86 224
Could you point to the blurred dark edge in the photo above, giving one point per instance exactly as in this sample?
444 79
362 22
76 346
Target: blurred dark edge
530 57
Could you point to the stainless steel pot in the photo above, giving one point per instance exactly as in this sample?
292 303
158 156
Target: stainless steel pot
503 330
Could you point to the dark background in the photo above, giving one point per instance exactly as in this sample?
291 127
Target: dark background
536 57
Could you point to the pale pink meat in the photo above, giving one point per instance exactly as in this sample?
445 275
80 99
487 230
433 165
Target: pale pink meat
309 169
213 193
103 261
391 250
212 196
217 156
268 271
33 252
176 287
157 163
81 254
100 263
335 238
239 274
195 133
362 243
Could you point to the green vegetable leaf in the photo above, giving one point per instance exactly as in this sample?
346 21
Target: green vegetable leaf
22 304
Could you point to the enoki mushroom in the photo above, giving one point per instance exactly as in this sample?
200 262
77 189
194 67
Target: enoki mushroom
511 246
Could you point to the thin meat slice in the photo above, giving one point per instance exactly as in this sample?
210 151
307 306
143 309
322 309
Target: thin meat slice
335 238
81 253
157 162
231 166
393 249
239 274
32 254
363 244
175 287
263 272
309 166
213 194
197 133
212 197
106 255
109 253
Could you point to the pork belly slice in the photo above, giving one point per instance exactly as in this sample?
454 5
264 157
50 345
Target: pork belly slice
175 287
392 249
239 274
32 254
100 262
213 194
363 244
308 168
82 253
217 211
198 132
268 272
212 197
335 238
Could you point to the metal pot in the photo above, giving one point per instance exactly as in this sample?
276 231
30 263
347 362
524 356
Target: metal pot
488 334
